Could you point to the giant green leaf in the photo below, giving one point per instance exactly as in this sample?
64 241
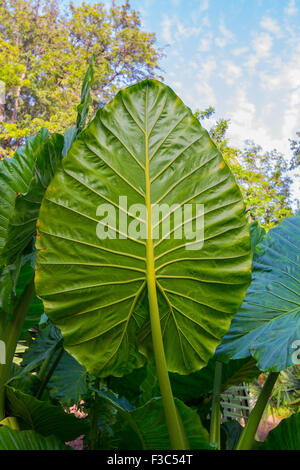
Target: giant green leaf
268 323
145 145
23 181
15 177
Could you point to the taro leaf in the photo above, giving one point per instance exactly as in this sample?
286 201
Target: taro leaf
200 383
151 431
45 343
129 386
69 137
23 181
15 178
230 434
286 436
146 146
257 234
145 427
15 279
42 417
36 308
150 386
26 382
268 323
28 440
82 109
6 286
68 383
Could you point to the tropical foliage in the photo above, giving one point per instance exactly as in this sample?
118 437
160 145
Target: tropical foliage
44 53
116 329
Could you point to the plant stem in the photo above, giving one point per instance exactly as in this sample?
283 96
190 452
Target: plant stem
93 437
174 424
47 377
247 438
215 423
14 328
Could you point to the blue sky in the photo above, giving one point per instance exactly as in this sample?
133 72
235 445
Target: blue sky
240 56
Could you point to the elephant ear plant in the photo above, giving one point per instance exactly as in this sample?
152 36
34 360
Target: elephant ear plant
267 327
144 249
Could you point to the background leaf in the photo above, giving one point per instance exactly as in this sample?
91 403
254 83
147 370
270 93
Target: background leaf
268 323
145 427
28 440
43 417
23 181
82 109
68 383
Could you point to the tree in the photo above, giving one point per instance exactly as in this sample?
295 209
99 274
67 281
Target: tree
44 53
295 147
262 176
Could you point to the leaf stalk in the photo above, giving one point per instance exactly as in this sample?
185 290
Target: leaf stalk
215 423
247 438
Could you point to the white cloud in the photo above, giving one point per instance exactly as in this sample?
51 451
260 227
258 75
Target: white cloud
204 5
205 95
205 44
291 9
230 72
244 113
247 124
221 42
287 77
226 35
174 30
262 45
271 25
177 86
166 29
291 115
206 22
185 32
270 81
207 68
240 50
251 62
225 32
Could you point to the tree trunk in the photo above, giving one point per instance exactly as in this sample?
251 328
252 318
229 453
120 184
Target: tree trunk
17 100
2 113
